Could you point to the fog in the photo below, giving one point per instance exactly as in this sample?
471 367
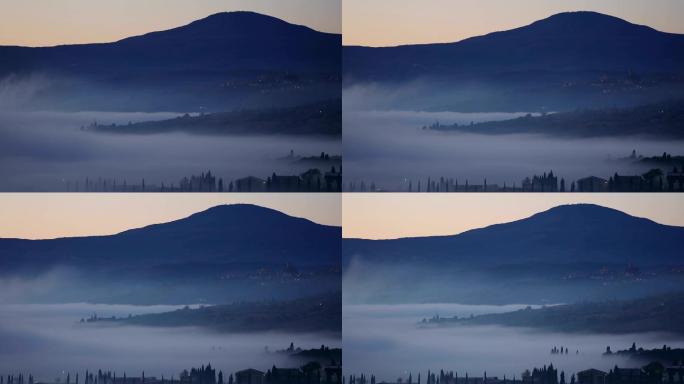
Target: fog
48 341
388 147
44 151
385 340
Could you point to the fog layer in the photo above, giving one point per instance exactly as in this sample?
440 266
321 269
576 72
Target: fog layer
42 151
385 340
48 341
388 147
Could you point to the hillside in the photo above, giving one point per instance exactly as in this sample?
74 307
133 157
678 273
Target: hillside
565 234
560 63
565 254
655 120
571 42
311 314
316 119
225 61
661 313
225 253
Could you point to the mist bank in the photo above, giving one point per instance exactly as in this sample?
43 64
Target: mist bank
49 342
380 338
48 151
388 148
661 313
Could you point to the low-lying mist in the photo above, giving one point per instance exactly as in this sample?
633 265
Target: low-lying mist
46 151
385 340
48 341
387 146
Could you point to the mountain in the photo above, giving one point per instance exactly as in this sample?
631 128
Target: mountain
223 234
220 56
561 63
572 42
563 255
230 251
567 234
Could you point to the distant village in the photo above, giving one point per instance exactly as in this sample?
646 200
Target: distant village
655 180
315 179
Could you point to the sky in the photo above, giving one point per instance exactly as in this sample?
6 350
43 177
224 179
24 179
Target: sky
46 216
397 22
52 22
394 215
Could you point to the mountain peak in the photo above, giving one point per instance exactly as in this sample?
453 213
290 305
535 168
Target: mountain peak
586 22
238 17
574 213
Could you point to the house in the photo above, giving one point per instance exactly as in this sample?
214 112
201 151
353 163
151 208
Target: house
250 184
591 376
249 376
592 184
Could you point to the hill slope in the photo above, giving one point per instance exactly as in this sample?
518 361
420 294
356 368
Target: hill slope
662 313
565 254
231 252
565 234
223 234
572 42
206 63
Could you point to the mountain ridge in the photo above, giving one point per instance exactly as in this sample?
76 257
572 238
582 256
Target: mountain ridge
592 226
555 43
222 62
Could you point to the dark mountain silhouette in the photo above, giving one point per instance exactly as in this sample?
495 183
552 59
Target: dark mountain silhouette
566 254
216 57
223 254
240 234
570 43
567 234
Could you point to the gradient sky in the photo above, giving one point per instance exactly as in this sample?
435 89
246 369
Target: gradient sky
44 216
393 215
53 22
396 22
